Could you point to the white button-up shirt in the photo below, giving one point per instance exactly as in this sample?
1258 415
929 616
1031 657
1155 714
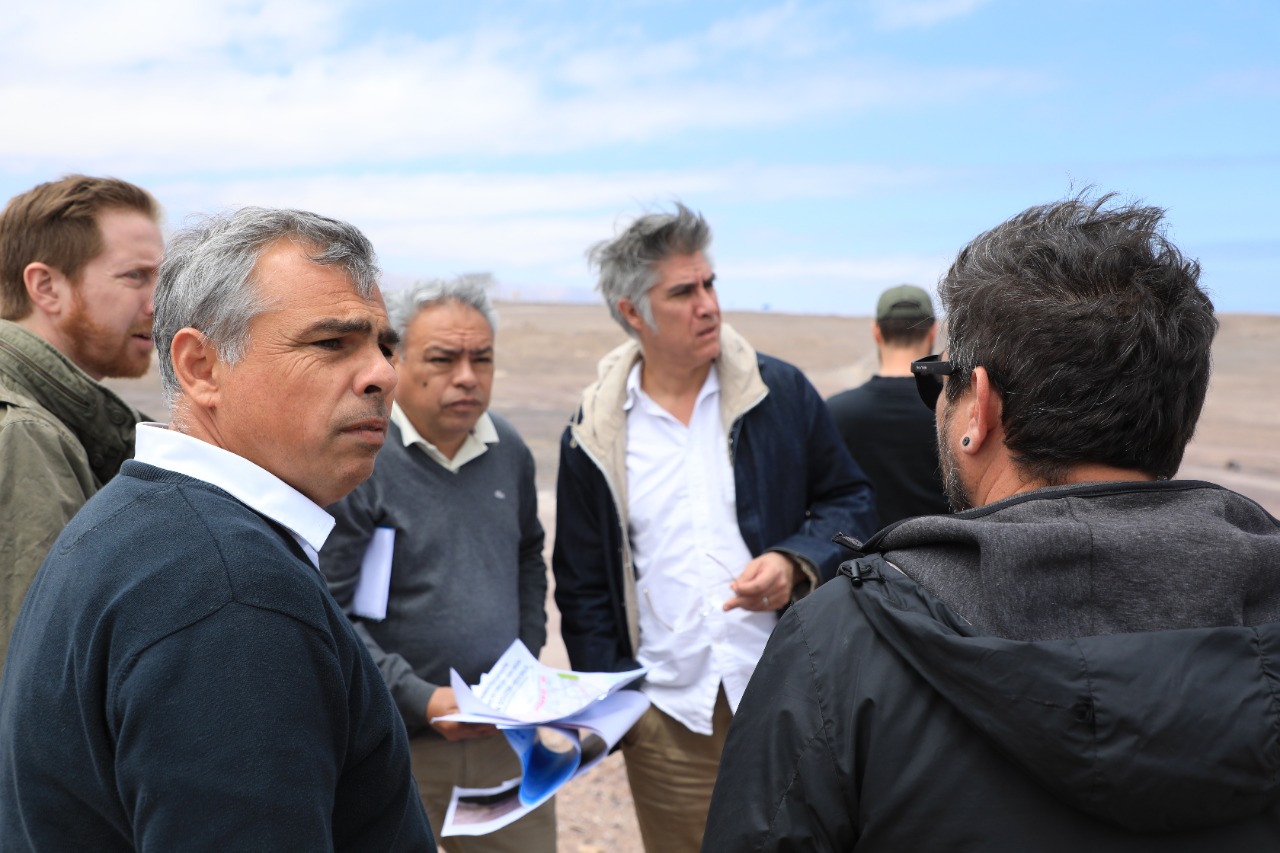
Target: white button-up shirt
255 487
687 549
483 434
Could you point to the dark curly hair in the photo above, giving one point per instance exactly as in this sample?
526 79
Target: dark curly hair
1093 328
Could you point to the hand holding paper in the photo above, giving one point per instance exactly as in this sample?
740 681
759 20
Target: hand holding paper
443 703
520 690
583 714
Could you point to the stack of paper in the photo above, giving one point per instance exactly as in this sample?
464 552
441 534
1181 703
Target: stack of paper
582 715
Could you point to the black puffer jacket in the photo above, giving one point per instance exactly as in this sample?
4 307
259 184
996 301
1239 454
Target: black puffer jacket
879 719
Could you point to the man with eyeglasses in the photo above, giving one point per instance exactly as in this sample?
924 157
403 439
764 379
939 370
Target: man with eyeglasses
700 485
1082 657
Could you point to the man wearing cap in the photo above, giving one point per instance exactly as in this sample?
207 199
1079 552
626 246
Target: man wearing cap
889 434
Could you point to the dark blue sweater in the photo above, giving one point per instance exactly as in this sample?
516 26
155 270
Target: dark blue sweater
180 679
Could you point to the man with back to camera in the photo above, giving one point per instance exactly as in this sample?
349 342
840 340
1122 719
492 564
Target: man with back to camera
1080 658
455 484
78 262
180 678
700 484
888 433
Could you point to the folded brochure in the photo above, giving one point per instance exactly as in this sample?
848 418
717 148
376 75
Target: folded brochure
560 723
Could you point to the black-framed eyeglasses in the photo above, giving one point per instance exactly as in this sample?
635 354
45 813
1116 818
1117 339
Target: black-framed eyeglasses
928 372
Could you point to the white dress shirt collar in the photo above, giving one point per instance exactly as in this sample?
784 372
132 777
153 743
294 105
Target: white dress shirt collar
710 385
477 441
255 487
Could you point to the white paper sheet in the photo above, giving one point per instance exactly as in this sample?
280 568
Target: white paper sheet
372 589
479 811
519 689
520 695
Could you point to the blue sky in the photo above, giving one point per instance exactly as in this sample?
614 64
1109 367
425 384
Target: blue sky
836 148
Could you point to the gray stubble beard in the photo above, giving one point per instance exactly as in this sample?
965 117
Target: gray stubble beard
952 485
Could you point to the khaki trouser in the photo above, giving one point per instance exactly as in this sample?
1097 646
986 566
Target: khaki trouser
439 765
672 772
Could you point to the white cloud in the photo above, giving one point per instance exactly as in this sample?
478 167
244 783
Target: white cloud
788 29
452 195
903 14
74 35
532 229
410 203
878 270
274 85
1256 82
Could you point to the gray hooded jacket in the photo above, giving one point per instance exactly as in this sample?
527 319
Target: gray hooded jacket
1104 675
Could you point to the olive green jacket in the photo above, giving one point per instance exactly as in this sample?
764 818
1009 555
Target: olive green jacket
62 436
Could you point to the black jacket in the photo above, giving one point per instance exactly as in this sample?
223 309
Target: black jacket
796 487
879 719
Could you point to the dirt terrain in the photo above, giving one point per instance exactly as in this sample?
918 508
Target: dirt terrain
547 353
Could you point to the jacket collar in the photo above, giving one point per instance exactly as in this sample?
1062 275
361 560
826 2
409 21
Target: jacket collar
601 425
886 539
101 421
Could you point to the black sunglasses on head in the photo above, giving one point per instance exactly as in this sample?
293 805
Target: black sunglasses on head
928 372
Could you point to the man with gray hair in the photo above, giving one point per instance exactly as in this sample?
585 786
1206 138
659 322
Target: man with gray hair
179 677
700 486
453 490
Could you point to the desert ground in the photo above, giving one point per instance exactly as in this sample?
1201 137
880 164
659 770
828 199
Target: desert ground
547 353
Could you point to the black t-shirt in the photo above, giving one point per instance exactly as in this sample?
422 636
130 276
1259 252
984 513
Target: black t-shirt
893 437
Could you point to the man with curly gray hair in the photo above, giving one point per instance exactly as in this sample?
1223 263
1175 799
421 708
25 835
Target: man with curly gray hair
700 485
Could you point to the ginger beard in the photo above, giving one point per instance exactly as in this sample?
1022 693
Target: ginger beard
105 351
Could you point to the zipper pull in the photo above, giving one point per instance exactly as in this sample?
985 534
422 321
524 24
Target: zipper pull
860 571
848 542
